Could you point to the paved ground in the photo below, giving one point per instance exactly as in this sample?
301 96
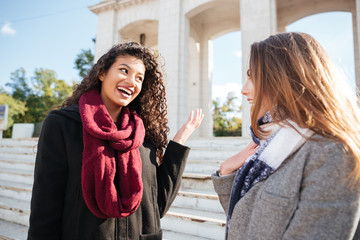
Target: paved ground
12 231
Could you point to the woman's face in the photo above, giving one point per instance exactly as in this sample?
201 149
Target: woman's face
249 91
122 83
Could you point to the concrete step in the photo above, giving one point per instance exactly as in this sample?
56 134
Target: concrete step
215 149
17 157
17 175
195 222
27 165
14 210
199 213
201 200
19 142
197 181
202 168
21 191
18 149
12 231
218 142
170 235
210 154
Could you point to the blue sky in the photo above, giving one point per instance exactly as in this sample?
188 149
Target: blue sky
44 34
49 34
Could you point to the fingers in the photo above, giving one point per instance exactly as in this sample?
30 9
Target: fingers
198 118
194 121
191 116
252 145
195 117
252 151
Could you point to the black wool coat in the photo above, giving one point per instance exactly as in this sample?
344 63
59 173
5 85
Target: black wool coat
58 209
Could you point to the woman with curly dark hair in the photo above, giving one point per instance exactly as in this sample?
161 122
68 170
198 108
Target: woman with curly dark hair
104 168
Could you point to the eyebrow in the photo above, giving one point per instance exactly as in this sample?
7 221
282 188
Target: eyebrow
124 64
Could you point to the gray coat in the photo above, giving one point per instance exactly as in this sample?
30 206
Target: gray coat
307 197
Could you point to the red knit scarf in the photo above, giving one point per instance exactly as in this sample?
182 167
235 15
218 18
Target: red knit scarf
108 196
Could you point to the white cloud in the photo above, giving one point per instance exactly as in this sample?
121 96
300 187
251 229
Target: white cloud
6 29
221 91
238 54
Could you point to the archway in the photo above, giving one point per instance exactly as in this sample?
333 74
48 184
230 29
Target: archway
185 32
227 84
207 22
143 31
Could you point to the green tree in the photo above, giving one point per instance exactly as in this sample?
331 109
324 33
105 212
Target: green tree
19 84
16 107
48 92
84 62
46 84
45 92
225 117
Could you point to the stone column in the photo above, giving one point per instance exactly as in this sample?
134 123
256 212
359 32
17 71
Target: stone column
173 46
106 32
206 69
356 35
257 22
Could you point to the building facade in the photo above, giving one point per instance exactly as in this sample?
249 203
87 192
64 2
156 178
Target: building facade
183 30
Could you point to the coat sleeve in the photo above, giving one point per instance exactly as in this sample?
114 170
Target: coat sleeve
223 186
328 206
169 174
49 182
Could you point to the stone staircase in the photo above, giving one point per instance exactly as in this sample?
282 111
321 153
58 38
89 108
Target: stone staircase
195 214
16 177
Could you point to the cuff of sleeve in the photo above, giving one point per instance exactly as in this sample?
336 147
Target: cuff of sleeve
176 151
178 146
223 184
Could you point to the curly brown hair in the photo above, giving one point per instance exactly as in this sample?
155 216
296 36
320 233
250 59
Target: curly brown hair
150 104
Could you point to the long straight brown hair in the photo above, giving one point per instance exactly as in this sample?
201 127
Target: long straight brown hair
294 75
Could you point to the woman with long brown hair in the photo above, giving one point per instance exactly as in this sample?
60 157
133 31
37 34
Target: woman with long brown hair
104 168
299 177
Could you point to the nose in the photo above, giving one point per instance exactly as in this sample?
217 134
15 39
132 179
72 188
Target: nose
131 79
244 90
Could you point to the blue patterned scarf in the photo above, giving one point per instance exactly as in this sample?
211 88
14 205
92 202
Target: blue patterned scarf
268 157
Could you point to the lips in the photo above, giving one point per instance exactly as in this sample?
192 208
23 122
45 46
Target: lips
125 91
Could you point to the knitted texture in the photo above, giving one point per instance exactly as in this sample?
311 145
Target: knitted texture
111 167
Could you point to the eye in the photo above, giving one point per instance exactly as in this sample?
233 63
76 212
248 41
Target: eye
140 79
248 72
123 70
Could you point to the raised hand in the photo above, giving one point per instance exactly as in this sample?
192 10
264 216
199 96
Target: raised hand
235 162
189 127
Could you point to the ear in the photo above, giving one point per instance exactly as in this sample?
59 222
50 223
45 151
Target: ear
101 77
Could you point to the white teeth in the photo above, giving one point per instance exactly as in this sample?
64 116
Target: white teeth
128 92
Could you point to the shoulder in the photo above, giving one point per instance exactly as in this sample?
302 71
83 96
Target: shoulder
61 118
327 159
321 148
318 142
70 113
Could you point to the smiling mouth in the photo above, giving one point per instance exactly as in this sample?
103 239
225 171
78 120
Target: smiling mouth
125 92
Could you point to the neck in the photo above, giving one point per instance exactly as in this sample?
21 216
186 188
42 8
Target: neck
114 113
